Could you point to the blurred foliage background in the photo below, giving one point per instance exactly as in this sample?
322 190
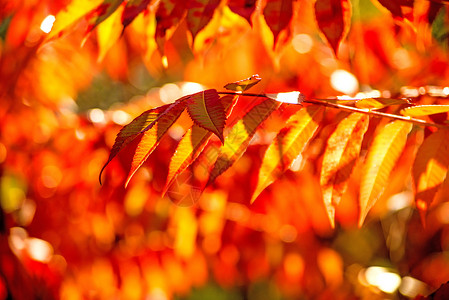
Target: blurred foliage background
63 100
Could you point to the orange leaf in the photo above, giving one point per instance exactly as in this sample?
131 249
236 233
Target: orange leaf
101 13
192 144
424 110
333 18
206 111
287 145
340 156
199 13
240 135
243 85
151 137
382 156
168 15
378 103
129 132
430 169
278 14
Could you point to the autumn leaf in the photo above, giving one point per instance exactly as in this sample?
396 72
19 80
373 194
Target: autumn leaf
243 85
340 156
430 168
207 111
239 137
129 132
199 13
70 15
278 14
395 6
287 145
379 103
193 143
101 13
424 110
152 136
382 156
108 33
132 9
168 15
244 8
333 18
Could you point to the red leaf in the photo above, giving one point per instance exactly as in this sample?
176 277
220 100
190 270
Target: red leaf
132 9
278 14
243 85
333 18
152 136
243 8
199 13
394 6
168 15
206 110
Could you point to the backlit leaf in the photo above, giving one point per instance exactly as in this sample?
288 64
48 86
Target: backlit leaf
340 156
199 13
240 136
168 15
424 110
132 9
278 14
243 85
382 156
151 137
244 8
108 33
193 143
101 12
290 97
333 18
69 16
378 103
129 132
207 111
430 168
287 145
395 6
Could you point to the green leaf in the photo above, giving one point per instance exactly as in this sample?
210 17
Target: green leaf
240 136
243 85
287 145
206 111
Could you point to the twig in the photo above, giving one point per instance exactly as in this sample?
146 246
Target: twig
351 109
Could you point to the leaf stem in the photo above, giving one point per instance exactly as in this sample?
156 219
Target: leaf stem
373 113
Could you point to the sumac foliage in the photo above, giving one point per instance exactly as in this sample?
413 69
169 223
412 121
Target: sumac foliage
323 178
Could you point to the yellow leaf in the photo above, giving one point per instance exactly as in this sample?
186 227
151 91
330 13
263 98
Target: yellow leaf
287 145
424 110
378 103
430 168
340 156
240 135
108 32
382 156
71 14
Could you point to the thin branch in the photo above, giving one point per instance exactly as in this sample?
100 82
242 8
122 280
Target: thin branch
350 109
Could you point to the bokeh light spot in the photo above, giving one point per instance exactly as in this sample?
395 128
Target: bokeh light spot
302 43
344 82
47 23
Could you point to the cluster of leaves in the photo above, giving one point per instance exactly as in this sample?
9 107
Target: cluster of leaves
208 112
333 17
